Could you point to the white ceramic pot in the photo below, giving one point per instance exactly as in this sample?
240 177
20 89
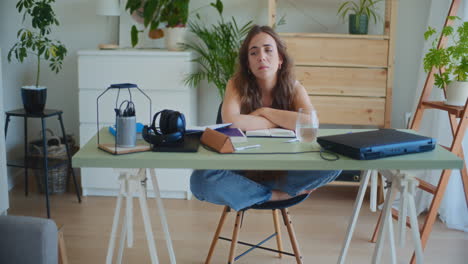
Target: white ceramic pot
174 36
457 93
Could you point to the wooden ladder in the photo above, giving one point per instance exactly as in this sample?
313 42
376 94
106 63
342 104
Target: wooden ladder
458 129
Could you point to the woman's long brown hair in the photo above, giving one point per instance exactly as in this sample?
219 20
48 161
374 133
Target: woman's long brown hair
245 82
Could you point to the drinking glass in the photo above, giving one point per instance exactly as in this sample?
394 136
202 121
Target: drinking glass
307 125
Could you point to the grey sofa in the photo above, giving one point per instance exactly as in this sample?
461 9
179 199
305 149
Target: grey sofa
28 240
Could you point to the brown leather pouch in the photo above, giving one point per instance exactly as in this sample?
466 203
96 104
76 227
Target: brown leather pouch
217 141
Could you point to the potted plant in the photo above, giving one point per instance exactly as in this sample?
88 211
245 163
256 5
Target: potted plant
175 15
148 13
359 14
450 62
36 42
217 49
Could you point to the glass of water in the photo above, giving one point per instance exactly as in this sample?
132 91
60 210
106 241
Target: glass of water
307 125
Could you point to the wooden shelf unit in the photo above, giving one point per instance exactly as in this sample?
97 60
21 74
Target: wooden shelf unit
349 78
457 111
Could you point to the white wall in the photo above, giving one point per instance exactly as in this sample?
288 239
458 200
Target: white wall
81 29
3 172
412 23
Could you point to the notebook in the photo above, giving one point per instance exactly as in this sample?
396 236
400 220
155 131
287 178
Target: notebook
271 132
376 144
235 134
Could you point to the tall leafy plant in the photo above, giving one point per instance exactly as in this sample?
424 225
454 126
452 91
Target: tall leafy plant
217 49
451 61
36 42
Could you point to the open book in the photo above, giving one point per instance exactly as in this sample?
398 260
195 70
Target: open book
271 132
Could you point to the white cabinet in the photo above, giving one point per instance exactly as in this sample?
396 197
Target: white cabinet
160 74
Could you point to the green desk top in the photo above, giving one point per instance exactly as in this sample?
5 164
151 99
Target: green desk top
90 156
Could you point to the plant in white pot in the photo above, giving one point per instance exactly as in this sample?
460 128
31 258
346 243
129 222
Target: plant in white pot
149 13
36 42
176 15
450 62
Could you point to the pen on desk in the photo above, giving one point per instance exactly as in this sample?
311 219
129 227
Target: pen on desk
248 147
291 140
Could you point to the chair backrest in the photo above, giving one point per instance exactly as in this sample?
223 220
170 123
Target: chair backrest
219 117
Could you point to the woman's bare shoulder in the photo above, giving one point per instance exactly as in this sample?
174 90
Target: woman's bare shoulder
298 87
301 97
231 88
297 84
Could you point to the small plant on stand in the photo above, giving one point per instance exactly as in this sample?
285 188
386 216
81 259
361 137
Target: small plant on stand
36 42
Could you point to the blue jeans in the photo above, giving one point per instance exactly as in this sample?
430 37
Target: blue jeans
234 189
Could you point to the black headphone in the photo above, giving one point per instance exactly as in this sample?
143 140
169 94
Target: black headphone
171 129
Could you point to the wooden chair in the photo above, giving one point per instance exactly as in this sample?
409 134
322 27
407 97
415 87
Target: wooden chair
275 206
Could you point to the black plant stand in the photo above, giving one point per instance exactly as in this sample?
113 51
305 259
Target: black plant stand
45 114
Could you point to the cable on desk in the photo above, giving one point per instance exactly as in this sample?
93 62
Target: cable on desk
323 153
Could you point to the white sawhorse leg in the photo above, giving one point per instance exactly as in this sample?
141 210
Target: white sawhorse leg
115 223
373 190
387 223
129 184
366 176
357 207
162 215
406 186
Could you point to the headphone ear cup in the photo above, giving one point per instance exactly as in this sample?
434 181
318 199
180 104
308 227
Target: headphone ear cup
173 137
146 134
153 124
174 124
165 122
180 123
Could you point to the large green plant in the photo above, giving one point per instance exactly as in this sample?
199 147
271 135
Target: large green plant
36 42
363 7
451 61
217 49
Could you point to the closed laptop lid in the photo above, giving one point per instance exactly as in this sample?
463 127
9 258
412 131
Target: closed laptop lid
382 142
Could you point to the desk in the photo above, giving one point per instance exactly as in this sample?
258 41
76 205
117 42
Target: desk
90 156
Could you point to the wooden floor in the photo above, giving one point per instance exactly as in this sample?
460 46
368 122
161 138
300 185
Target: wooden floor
320 224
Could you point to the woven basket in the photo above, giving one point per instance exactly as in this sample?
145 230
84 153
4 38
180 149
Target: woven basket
58 175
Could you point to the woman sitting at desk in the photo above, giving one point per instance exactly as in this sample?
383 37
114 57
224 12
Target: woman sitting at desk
262 94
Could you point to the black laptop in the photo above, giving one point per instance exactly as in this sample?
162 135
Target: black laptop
376 144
